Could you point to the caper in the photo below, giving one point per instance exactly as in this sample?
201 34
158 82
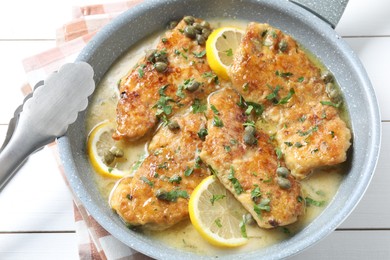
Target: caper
249 135
108 158
161 56
249 219
173 125
116 152
205 24
190 32
193 86
150 55
282 172
189 20
161 66
284 183
283 46
206 32
327 77
161 194
197 27
200 39
173 24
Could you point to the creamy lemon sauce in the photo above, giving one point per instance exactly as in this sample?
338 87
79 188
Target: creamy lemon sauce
320 186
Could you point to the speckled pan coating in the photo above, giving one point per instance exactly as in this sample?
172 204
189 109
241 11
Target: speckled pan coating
313 33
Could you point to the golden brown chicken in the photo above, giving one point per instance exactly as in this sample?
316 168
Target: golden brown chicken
165 80
157 196
245 162
301 104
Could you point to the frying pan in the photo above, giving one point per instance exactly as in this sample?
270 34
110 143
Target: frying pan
311 26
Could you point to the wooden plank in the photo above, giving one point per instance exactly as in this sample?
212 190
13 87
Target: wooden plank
365 18
38 246
375 56
12 53
37 198
351 245
373 210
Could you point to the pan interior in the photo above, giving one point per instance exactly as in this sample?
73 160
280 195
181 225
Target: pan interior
312 33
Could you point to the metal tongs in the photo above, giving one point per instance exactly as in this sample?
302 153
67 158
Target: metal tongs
45 115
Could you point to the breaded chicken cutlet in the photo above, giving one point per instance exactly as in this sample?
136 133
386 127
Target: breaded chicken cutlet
245 162
300 104
164 81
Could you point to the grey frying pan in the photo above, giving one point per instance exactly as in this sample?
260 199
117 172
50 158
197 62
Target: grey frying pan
311 25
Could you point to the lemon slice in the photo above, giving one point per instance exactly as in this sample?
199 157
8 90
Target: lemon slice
99 145
216 214
220 49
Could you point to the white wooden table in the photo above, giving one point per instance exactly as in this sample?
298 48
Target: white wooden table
36 214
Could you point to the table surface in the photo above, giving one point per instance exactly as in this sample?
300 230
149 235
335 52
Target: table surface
36 210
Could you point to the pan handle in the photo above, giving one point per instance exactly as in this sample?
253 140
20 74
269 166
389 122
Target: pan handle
328 10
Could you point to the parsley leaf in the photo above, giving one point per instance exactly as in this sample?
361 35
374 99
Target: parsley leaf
217 122
329 103
311 202
198 107
288 97
172 195
147 181
203 133
236 184
200 54
214 198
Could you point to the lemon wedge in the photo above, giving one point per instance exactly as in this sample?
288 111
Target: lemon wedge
220 48
216 214
106 155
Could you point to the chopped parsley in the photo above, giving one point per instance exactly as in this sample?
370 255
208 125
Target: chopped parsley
211 75
218 222
215 110
258 108
216 197
236 184
175 179
198 107
229 52
283 74
312 202
310 131
330 103
288 97
302 119
289 144
279 153
227 148
172 195
200 54
147 181
217 122
301 79
180 92
188 171
273 96
255 193
203 133
242 226
141 72
249 123
262 206
198 161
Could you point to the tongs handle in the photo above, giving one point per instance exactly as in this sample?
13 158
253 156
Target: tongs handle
23 143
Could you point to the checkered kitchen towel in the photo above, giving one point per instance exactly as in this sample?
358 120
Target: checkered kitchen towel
94 242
